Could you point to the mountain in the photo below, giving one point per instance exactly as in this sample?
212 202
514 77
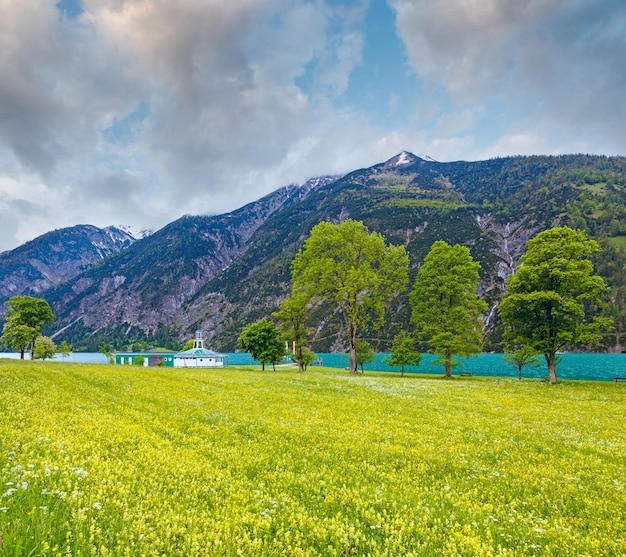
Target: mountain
56 257
221 272
143 289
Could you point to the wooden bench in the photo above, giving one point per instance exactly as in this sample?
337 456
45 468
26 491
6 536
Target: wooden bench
465 374
620 379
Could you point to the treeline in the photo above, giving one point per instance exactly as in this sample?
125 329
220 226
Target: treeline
549 302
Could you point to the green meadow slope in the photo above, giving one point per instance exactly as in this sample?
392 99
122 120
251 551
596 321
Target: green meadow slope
106 460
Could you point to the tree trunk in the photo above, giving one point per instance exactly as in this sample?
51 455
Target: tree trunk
22 353
448 357
551 361
353 367
299 357
402 371
262 366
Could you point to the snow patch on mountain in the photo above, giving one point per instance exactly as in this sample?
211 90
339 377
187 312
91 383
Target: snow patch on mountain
132 231
427 158
403 158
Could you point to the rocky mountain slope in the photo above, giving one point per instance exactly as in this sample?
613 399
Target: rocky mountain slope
144 289
56 257
221 272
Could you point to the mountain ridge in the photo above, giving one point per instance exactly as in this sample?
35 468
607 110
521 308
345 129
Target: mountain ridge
57 256
219 272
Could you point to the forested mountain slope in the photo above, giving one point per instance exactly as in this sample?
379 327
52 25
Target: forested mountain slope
218 273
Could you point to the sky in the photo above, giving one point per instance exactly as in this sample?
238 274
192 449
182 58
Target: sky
137 112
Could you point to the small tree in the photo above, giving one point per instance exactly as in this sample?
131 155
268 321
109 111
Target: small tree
65 349
188 345
25 313
549 298
107 350
446 310
44 348
520 357
403 352
139 361
15 335
291 315
364 354
308 357
263 342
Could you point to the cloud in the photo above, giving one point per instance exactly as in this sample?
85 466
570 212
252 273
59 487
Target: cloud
554 66
225 111
192 106
59 86
138 111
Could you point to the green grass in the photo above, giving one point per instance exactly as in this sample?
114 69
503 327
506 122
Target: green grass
112 460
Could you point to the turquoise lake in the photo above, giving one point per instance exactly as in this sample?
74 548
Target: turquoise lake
594 367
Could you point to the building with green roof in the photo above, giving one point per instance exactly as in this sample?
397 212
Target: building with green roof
199 356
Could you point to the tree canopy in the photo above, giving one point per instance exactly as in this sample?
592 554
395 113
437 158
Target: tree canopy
292 316
549 298
403 351
364 354
44 348
352 269
24 319
263 341
445 308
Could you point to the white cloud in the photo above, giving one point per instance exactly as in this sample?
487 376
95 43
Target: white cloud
139 111
517 144
554 66
225 122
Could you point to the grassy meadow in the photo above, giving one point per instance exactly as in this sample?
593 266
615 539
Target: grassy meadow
100 460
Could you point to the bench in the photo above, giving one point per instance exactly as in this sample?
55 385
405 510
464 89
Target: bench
465 374
620 379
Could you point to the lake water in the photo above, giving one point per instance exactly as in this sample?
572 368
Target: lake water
81 357
595 367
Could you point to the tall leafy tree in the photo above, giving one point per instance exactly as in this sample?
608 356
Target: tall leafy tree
292 316
25 316
549 298
262 340
403 351
445 308
352 269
